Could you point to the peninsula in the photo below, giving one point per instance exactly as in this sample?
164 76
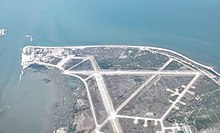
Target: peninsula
131 89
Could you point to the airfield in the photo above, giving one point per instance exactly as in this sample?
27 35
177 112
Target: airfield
135 89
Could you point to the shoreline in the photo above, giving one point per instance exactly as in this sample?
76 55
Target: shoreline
122 46
206 70
127 46
200 69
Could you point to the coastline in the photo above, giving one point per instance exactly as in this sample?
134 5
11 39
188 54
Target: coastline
33 54
124 46
150 48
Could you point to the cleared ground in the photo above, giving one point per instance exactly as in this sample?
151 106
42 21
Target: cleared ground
132 89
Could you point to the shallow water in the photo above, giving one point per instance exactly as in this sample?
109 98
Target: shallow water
188 27
30 103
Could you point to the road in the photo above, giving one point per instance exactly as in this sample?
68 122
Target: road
144 72
142 87
105 97
112 113
88 94
179 98
83 60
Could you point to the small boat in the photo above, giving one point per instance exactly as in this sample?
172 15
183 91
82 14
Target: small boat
3 32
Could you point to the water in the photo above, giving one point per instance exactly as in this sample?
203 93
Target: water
29 105
190 27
